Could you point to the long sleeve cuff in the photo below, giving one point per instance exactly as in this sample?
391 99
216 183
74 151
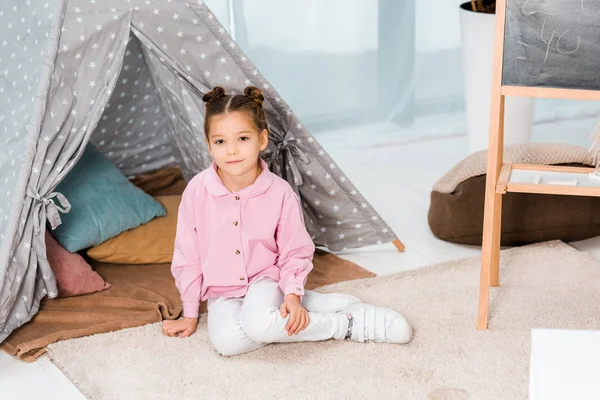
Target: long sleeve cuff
191 309
294 288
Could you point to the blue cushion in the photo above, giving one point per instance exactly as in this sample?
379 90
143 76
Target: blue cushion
103 203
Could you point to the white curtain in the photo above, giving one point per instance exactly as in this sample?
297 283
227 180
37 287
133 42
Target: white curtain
393 66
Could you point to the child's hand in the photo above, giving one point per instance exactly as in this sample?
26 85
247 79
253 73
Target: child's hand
182 327
299 318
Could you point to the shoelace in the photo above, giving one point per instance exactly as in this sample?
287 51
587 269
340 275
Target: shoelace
350 323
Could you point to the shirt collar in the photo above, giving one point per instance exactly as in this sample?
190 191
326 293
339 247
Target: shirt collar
215 186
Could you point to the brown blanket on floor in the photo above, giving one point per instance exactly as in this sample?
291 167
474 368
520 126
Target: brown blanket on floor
140 294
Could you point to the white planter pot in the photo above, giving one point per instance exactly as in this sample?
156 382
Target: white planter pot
477 31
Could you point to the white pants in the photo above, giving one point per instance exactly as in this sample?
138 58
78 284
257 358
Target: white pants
240 325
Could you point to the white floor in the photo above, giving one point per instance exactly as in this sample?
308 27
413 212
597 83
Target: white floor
396 178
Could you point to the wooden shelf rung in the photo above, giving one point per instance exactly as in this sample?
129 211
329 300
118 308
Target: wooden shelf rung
552 168
553 189
550 93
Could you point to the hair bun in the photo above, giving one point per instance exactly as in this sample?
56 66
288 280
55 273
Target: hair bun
255 94
217 92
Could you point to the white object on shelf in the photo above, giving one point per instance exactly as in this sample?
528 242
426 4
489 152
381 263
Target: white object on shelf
526 176
594 175
477 32
564 364
565 182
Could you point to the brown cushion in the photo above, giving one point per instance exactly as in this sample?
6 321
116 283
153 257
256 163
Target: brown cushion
526 218
162 182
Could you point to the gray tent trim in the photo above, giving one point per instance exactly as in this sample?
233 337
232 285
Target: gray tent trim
90 89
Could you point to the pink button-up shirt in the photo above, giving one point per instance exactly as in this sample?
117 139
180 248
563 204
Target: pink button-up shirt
227 240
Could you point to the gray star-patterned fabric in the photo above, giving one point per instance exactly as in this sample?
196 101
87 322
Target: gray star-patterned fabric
129 75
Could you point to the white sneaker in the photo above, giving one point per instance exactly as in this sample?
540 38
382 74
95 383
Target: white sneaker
378 324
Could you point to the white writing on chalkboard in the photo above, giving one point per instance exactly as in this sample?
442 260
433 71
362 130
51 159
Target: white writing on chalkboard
552 43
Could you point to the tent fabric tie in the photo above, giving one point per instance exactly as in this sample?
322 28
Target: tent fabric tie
289 148
45 208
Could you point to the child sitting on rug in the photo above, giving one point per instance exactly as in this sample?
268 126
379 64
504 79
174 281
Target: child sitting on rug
242 245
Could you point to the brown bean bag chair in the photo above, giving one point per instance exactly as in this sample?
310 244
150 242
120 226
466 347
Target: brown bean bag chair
457 201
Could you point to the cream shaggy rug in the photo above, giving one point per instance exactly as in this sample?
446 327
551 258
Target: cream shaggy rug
548 285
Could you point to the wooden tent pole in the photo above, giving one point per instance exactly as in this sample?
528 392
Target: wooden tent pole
398 245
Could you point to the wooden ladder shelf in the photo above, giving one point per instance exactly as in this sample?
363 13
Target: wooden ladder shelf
537 64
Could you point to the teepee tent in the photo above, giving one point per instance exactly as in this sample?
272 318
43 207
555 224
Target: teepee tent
128 76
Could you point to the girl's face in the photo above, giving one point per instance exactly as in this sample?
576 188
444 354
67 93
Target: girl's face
234 143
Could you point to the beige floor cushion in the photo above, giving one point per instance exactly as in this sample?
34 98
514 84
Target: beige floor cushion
457 201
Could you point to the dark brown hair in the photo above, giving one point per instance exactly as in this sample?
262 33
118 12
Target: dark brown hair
250 103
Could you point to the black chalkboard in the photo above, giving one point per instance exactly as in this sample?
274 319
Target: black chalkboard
552 43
